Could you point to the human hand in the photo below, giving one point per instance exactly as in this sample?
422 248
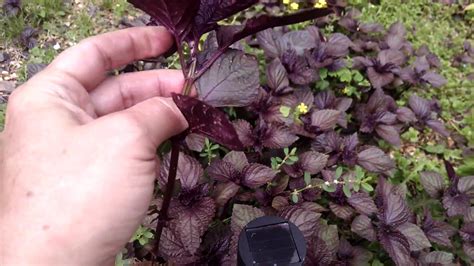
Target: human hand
78 153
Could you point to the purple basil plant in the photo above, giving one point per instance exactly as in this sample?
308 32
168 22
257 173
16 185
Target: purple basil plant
274 143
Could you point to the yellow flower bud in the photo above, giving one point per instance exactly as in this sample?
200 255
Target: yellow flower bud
294 6
321 4
286 2
302 108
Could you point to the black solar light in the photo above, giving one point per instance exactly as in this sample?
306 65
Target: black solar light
271 240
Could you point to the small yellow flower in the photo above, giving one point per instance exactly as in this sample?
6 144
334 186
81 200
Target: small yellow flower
302 108
321 4
346 90
286 2
294 6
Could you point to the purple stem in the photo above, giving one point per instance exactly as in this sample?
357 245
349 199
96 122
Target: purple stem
163 215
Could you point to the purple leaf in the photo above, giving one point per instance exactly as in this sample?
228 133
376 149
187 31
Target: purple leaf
298 70
177 16
362 226
238 160
299 41
363 203
405 115
438 258
269 42
341 211
305 220
212 11
324 119
256 175
438 127
433 183
395 209
379 80
415 236
244 131
338 45
279 137
233 80
193 222
389 134
421 64
434 79
280 202
313 206
277 77
231 34
391 57
225 191
171 246
11 7
437 231
420 106
222 170
397 247
195 142
242 215
466 185
189 171
318 252
198 114
350 255
324 99
456 203
375 160
312 162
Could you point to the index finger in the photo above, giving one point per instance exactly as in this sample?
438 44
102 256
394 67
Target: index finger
89 61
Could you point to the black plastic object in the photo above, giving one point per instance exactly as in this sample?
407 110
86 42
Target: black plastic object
271 241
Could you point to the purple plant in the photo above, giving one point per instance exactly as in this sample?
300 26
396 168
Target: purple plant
296 149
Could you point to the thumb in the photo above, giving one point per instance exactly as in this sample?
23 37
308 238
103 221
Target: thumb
157 118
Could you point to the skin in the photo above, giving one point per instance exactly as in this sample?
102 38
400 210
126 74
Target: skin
78 153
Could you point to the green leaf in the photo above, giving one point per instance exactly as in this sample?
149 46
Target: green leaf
285 110
148 234
338 173
367 187
286 151
322 85
323 73
358 76
307 178
293 151
436 149
347 190
294 197
359 173
329 188
376 262
356 187
345 75
469 7
293 158
143 241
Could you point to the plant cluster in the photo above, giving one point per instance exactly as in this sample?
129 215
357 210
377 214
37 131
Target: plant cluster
309 143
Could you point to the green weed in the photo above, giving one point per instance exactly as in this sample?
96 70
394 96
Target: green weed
2 116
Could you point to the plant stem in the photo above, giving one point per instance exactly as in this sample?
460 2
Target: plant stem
163 215
209 63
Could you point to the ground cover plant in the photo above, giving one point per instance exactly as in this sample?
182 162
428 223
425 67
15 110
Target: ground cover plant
314 123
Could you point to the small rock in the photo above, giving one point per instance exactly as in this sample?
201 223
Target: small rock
57 46
4 73
3 57
6 86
